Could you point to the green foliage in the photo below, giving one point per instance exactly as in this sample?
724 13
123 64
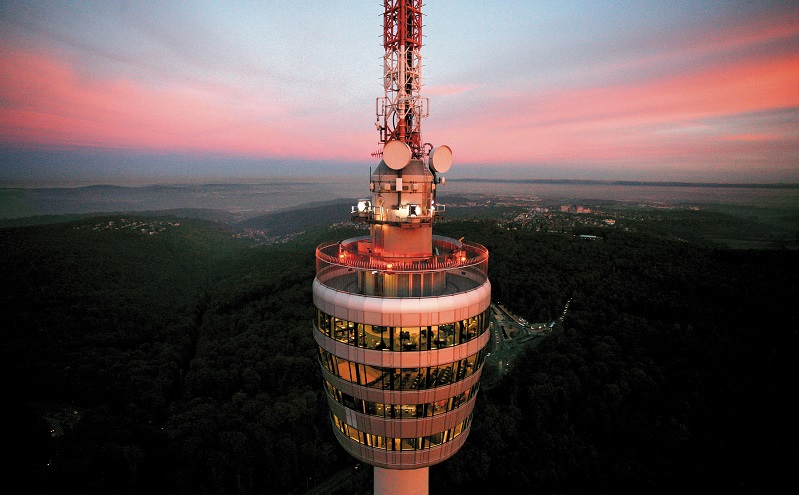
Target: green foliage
674 369
180 360
183 361
309 217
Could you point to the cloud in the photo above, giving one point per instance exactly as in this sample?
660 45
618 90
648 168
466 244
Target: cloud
47 102
580 85
698 115
448 89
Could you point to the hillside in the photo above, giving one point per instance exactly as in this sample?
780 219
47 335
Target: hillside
307 217
150 355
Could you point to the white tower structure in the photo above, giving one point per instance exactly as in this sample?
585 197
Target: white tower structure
402 314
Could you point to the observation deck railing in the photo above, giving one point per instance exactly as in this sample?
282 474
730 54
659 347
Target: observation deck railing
466 262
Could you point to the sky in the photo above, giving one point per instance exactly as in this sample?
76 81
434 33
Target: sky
635 90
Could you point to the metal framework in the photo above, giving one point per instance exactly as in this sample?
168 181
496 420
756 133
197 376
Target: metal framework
400 111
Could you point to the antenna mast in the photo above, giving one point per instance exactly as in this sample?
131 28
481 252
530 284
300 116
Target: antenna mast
400 111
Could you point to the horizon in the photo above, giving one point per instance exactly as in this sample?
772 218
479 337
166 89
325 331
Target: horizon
178 181
692 91
246 197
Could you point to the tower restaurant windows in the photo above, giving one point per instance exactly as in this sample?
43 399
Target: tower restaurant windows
401 378
423 338
401 411
396 444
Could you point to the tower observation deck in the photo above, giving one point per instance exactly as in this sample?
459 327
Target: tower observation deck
401 315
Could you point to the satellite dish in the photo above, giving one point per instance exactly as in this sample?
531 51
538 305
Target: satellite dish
396 154
441 159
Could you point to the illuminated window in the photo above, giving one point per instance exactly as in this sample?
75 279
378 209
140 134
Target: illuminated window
401 378
401 338
398 444
401 411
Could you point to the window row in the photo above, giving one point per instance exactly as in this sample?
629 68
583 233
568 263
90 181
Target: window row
401 338
401 378
401 411
399 444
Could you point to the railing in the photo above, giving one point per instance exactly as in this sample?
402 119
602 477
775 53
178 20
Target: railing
340 264
451 254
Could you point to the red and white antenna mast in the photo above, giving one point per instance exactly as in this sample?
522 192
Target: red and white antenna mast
400 111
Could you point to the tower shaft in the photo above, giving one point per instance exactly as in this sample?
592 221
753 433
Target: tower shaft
401 314
401 482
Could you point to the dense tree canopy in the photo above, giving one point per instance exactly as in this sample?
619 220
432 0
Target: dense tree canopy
182 361
672 370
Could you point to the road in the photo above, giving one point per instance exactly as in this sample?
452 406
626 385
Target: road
510 336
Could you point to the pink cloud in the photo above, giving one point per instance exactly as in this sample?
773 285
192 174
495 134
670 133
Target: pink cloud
659 118
447 89
47 102
693 112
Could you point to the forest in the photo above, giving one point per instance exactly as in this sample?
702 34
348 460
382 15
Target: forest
164 355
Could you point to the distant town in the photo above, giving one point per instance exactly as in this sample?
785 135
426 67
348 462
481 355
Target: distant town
551 216
149 227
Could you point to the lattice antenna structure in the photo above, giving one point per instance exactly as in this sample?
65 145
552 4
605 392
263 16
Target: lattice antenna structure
400 111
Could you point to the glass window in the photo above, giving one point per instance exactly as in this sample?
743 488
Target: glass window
405 410
401 339
424 340
409 339
446 335
440 407
344 331
411 378
401 378
440 375
382 338
373 376
348 401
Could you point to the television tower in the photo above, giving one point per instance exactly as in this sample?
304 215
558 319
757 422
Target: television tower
401 314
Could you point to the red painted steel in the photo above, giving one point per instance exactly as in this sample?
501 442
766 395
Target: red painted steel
402 109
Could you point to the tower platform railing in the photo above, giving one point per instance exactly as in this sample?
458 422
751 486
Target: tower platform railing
357 253
350 266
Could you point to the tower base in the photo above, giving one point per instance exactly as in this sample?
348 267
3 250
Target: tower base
401 481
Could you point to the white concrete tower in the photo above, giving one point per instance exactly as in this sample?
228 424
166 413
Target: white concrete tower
402 315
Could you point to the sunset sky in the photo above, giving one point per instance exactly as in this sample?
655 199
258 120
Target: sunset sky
662 90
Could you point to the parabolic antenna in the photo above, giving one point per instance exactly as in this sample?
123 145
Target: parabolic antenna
396 154
441 159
